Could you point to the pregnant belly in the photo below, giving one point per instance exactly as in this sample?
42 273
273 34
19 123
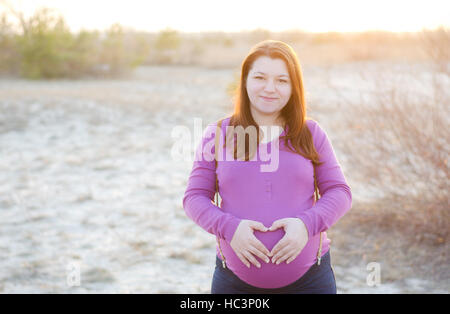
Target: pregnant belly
271 275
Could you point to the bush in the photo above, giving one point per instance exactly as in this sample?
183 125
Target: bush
113 52
46 48
436 44
9 62
166 45
400 143
86 48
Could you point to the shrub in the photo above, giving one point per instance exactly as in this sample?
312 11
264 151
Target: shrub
9 61
166 44
46 48
400 143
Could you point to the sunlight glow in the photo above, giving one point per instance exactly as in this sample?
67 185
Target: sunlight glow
236 15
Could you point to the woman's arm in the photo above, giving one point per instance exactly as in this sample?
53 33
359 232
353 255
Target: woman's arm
336 196
199 195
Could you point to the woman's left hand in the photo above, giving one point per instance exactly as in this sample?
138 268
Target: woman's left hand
293 242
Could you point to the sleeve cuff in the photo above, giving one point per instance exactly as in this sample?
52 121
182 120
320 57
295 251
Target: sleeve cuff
308 224
230 229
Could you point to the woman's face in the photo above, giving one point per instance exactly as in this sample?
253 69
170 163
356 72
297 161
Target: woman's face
268 86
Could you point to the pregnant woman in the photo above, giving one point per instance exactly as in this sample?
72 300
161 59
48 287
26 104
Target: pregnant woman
271 233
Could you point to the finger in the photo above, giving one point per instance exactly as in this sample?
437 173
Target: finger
290 259
281 250
276 225
258 226
282 255
249 256
257 252
279 246
293 256
260 247
243 259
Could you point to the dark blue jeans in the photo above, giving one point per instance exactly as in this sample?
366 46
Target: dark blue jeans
319 279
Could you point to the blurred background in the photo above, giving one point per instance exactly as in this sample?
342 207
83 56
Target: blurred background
91 91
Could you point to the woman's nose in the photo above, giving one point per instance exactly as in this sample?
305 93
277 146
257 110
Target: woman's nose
270 86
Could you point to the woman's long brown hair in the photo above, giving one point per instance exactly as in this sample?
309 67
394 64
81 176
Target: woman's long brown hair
293 114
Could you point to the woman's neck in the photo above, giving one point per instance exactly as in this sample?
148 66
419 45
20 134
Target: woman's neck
268 120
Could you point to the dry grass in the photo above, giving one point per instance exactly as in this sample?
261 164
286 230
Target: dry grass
376 232
400 145
227 50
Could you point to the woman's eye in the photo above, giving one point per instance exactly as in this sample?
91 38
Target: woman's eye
262 78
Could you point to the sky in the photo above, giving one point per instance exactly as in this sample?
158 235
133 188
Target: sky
237 15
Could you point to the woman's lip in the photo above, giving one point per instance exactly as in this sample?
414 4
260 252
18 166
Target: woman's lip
268 98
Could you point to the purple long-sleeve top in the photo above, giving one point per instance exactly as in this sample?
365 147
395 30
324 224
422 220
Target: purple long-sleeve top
247 192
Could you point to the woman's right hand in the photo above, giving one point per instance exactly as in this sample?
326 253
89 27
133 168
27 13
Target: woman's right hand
246 245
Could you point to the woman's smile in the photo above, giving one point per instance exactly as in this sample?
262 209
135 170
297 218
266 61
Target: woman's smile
268 98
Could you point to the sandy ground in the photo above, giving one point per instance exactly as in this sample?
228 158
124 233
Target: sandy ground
91 197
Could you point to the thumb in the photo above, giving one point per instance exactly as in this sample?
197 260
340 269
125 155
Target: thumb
258 226
276 225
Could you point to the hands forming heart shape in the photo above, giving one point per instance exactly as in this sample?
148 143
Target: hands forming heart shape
247 246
